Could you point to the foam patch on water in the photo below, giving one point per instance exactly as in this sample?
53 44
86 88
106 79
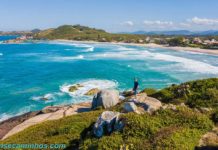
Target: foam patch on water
1 54
47 98
90 49
88 85
125 48
65 58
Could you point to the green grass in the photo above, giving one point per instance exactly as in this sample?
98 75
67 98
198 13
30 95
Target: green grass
200 93
67 130
168 128
172 129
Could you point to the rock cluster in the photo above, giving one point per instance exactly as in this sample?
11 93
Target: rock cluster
106 123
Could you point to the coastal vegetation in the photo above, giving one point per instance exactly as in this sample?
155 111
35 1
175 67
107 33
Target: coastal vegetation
179 127
199 93
83 33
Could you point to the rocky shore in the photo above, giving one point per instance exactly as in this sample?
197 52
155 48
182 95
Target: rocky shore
19 123
102 99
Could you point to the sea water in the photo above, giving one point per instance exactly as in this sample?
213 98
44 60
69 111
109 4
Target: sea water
30 72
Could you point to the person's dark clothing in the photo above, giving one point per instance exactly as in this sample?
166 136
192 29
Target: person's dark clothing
136 84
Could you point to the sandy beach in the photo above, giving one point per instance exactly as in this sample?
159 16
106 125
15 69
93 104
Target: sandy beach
151 45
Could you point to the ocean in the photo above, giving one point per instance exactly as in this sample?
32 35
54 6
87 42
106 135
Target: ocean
30 71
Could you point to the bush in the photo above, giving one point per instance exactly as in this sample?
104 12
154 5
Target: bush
167 128
214 116
149 91
199 93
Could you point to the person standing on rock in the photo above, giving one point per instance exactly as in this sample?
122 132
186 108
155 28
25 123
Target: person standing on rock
136 86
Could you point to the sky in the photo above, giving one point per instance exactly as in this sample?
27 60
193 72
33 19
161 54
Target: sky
110 15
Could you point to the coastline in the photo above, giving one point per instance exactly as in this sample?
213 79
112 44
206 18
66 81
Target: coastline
19 123
150 45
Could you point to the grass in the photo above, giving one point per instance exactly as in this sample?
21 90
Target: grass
169 129
199 93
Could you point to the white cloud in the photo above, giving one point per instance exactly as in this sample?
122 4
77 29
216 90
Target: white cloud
128 23
185 25
158 23
203 21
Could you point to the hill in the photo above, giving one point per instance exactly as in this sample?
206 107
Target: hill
176 127
82 33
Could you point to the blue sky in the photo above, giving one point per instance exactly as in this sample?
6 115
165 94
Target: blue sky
111 15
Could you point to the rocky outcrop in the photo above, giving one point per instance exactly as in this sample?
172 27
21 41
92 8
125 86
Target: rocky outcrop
92 91
50 109
127 93
210 138
105 98
74 88
149 104
9 124
51 113
130 107
106 123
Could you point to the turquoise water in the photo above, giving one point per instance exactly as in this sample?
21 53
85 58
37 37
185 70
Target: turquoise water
30 71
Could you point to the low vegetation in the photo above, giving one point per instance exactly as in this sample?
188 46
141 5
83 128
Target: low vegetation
83 33
199 93
179 128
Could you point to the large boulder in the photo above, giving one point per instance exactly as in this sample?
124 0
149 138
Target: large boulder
105 98
148 103
106 123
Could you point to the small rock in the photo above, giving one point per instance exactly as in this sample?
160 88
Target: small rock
44 99
129 107
127 93
205 109
92 91
73 88
50 109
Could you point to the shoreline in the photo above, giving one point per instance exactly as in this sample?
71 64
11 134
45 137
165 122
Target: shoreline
18 123
150 45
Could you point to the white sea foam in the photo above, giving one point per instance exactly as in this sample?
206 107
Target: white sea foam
90 49
88 85
125 48
20 111
4 116
65 58
188 64
49 97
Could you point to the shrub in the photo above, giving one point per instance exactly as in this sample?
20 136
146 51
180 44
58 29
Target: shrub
199 93
149 91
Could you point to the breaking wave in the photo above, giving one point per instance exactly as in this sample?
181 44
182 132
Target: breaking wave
88 85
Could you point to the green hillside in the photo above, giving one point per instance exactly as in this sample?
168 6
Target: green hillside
178 128
81 33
